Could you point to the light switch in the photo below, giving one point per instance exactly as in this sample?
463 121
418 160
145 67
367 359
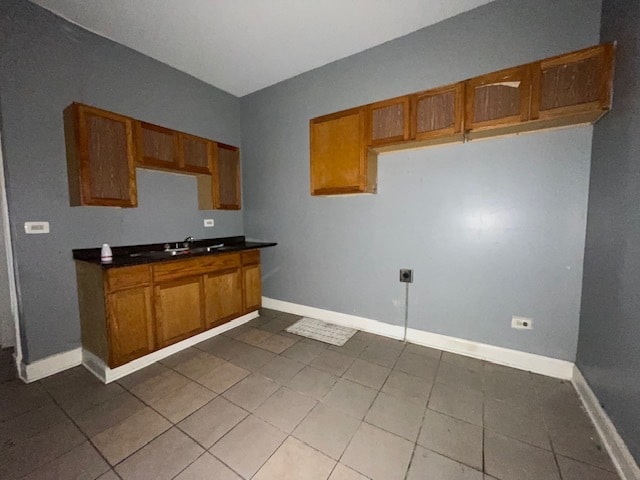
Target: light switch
208 222
36 227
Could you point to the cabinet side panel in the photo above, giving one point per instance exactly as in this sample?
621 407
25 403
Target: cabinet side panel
91 303
252 288
71 136
228 178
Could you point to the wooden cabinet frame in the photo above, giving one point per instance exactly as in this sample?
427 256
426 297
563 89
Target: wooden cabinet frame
603 55
82 177
116 332
153 162
405 105
456 130
517 75
357 156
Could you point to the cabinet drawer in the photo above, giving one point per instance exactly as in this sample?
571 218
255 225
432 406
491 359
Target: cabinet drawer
125 277
195 266
251 257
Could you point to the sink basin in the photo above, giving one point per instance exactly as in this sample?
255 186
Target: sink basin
159 253
210 248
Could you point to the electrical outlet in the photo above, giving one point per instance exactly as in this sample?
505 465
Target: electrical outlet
406 275
521 323
208 222
36 227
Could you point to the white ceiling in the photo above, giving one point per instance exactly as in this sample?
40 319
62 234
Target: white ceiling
244 45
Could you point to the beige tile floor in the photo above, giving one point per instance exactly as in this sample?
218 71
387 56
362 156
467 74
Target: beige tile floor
259 403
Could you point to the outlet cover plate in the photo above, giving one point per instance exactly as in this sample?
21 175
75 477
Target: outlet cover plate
521 323
208 222
406 275
36 227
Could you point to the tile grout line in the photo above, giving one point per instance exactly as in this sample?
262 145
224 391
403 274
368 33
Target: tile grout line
64 411
424 414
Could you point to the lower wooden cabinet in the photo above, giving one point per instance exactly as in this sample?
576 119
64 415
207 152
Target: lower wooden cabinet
179 312
130 319
252 288
128 312
222 297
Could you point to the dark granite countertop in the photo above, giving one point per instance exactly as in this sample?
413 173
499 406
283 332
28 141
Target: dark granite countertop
154 252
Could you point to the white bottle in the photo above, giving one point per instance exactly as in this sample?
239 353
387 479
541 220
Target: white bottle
106 255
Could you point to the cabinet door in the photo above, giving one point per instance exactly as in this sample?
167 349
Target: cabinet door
438 113
157 146
576 82
388 121
179 310
226 177
196 153
130 320
252 287
223 296
101 157
339 159
498 99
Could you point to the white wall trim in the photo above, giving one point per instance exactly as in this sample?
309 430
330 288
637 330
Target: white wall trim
63 361
622 459
552 367
6 236
50 365
96 366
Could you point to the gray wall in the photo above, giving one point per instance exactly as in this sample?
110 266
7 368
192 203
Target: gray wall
609 342
343 253
45 64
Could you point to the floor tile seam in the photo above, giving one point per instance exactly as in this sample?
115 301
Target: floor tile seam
191 463
424 414
482 470
196 381
297 424
147 404
181 428
88 439
262 464
356 381
511 437
113 467
365 415
260 404
570 456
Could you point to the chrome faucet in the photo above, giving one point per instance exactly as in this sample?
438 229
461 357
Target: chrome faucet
188 240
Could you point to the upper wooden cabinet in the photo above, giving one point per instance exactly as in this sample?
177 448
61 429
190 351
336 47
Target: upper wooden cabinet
498 99
195 153
438 114
340 160
100 157
576 83
388 121
157 147
104 148
226 177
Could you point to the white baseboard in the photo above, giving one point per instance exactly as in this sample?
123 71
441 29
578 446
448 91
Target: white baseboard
50 365
613 442
531 362
96 366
